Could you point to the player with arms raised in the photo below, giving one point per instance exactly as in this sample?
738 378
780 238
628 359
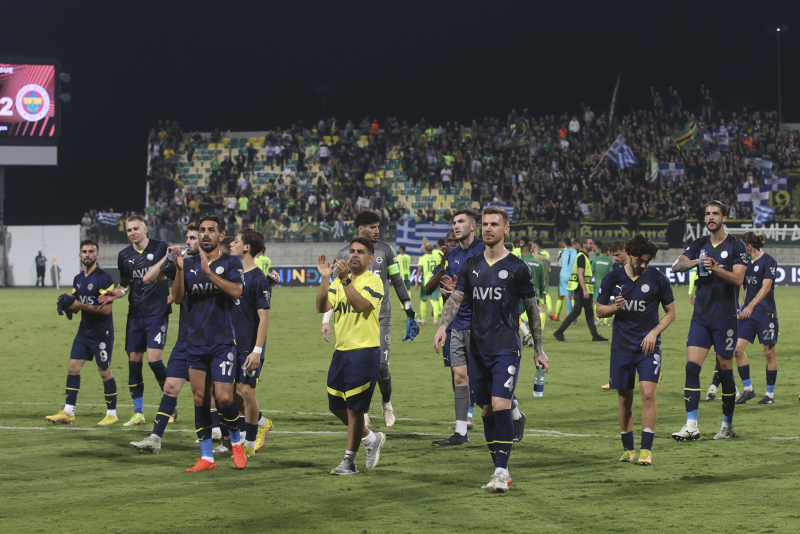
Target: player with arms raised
210 282
384 265
355 298
492 284
95 338
721 261
177 367
148 311
632 296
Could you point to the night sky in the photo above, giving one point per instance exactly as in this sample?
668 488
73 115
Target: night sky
255 65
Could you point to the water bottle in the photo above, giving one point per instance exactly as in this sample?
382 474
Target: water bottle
538 383
701 270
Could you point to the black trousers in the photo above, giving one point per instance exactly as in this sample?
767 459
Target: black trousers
579 302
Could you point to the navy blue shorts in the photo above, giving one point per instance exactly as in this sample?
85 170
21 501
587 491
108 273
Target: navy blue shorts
84 348
763 326
178 366
244 377
493 376
352 377
219 360
625 365
721 333
142 333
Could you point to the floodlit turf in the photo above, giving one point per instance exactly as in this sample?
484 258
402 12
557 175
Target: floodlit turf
82 478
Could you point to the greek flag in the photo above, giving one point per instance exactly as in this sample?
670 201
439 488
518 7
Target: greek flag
776 183
763 165
509 209
671 170
410 234
620 153
338 228
722 137
109 219
762 214
753 197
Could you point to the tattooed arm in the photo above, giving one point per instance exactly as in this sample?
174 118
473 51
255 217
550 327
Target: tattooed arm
535 322
684 264
448 314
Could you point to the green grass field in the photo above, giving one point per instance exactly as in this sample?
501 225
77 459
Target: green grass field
82 478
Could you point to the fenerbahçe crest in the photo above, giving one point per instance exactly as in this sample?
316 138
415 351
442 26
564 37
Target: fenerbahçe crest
33 102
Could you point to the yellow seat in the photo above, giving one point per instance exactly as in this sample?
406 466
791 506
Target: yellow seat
327 139
335 138
437 206
476 205
425 192
389 174
402 198
224 142
379 174
450 199
410 199
440 198
434 193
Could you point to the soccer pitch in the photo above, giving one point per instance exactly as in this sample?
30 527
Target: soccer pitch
82 478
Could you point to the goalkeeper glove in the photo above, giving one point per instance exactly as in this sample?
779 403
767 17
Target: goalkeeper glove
412 329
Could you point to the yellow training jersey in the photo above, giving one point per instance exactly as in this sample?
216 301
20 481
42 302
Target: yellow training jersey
429 263
355 331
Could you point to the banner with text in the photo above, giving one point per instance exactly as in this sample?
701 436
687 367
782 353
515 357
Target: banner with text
779 232
607 232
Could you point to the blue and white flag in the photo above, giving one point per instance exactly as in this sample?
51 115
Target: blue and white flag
109 219
338 228
776 183
671 170
762 214
753 197
620 154
410 234
722 137
509 209
763 165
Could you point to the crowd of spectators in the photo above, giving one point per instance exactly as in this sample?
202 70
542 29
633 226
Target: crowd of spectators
550 168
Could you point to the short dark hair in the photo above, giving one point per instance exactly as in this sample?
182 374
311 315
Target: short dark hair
585 239
469 213
526 247
253 238
576 241
598 243
366 242
365 218
192 227
401 248
524 239
640 245
90 242
616 246
539 243
225 244
212 218
603 249
566 241
441 242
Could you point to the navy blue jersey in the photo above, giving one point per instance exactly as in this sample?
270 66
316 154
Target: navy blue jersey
492 292
256 295
715 298
456 258
209 310
169 272
640 314
764 268
87 289
144 300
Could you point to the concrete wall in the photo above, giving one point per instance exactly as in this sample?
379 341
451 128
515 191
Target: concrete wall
23 243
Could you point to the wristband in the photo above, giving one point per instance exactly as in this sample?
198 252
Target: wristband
346 282
258 350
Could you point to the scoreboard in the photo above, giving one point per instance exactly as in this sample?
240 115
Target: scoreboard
29 103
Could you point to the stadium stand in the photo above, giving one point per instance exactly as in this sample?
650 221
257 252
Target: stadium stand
306 181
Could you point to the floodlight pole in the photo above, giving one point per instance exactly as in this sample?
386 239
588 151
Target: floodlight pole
2 194
780 103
